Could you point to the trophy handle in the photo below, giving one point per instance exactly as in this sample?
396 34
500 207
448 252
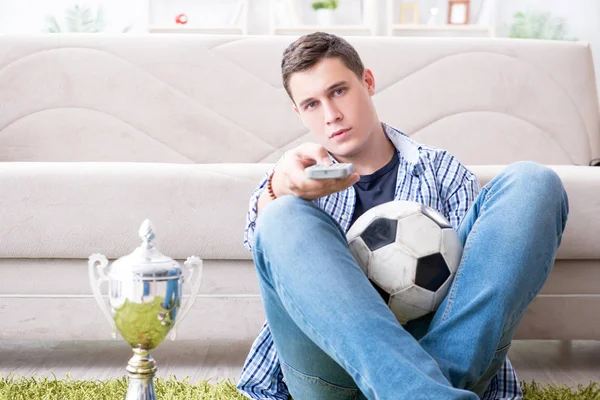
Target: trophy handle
97 275
195 267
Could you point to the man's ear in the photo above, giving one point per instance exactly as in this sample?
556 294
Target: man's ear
369 81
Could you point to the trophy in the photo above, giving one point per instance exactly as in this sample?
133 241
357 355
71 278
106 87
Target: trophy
143 303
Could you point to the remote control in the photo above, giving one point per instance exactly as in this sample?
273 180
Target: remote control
335 171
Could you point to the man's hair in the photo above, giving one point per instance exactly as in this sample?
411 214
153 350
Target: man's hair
308 50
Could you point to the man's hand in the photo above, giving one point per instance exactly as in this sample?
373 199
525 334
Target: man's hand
289 177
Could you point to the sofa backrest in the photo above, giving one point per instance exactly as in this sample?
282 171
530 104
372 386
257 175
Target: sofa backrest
215 99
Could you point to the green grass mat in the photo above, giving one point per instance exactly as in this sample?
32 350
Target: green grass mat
50 388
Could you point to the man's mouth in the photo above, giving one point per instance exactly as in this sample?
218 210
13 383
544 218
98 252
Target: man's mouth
339 132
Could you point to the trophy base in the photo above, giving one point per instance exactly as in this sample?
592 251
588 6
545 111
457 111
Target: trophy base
140 389
141 368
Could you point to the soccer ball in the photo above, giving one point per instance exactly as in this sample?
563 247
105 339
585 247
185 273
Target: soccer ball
409 252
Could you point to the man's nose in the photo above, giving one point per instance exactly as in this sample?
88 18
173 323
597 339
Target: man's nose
332 113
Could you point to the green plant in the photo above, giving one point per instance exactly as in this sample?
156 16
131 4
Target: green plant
79 19
328 4
538 25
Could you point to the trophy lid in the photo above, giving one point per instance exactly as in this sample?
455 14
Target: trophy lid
145 262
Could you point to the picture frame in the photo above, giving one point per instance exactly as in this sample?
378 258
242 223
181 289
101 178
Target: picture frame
459 12
409 13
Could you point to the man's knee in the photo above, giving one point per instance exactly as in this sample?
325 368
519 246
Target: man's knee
282 218
537 179
533 173
291 218
536 188
281 210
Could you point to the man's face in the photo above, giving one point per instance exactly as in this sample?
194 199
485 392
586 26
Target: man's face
335 105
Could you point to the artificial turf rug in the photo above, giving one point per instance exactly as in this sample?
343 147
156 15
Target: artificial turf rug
50 388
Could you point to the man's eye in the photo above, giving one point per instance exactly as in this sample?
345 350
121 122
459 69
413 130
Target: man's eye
311 105
339 91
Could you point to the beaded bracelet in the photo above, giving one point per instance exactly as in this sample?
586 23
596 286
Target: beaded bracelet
270 186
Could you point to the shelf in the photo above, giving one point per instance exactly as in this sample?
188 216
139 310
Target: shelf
156 10
195 29
485 28
449 28
341 29
441 30
297 23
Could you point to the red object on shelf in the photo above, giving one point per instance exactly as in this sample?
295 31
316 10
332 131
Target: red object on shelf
181 19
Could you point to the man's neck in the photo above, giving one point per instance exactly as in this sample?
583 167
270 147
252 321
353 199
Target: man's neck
374 155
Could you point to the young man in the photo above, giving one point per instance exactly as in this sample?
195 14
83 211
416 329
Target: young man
329 334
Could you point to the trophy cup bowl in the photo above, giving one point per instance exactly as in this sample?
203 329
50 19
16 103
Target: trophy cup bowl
143 303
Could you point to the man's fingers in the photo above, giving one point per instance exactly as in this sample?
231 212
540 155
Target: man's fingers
315 188
353 178
301 182
304 156
314 153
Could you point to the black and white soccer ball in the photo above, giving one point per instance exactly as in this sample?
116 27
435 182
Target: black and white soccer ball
409 252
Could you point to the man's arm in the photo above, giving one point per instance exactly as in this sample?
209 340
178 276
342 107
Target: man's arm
457 205
289 179
459 188
253 208
265 198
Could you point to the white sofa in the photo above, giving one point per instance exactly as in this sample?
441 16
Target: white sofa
99 132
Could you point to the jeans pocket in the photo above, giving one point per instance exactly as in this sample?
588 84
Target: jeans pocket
497 362
307 387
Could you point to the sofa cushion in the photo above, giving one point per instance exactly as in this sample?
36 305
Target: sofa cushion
213 99
59 210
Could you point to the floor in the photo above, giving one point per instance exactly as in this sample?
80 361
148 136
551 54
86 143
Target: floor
544 361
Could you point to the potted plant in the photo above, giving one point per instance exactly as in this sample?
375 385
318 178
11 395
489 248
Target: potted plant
538 25
324 10
79 19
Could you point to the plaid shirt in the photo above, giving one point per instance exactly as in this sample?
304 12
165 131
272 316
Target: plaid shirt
426 175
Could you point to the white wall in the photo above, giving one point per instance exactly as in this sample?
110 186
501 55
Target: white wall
162 12
25 16
582 18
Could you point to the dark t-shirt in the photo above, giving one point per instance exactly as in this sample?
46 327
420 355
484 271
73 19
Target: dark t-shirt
376 188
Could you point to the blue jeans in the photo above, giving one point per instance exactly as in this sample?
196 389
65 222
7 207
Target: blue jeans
336 338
